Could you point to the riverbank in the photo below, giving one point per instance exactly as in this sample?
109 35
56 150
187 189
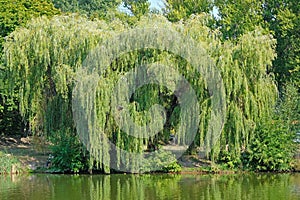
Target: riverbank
23 154
30 154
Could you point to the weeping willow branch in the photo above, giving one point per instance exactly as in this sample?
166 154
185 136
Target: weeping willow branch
43 58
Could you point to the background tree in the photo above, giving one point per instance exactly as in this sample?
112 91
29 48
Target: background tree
238 17
283 19
280 17
137 7
176 10
16 13
104 9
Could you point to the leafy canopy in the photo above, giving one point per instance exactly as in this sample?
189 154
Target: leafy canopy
178 9
45 56
15 13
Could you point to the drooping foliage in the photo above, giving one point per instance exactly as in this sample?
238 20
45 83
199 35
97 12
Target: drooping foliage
45 56
251 93
280 17
54 50
276 140
12 15
273 147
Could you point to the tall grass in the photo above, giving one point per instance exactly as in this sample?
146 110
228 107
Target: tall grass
9 164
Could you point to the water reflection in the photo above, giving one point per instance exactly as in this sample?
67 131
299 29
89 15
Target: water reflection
103 187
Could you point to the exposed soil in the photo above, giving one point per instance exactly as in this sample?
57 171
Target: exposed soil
32 152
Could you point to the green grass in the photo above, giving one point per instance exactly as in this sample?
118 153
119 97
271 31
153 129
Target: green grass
9 163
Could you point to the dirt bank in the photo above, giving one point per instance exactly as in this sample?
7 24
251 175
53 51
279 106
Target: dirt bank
32 152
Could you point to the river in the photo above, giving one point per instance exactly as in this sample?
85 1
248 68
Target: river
155 186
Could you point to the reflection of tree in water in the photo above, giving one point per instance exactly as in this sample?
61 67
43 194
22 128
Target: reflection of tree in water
24 187
122 186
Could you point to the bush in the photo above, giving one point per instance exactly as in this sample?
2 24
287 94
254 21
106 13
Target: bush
162 161
69 155
272 149
172 167
228 160
274 144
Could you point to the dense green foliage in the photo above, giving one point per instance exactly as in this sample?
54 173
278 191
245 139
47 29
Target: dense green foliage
69 155
281 17
284 21
10 119
92 8
272 148
8 163
254 42
238 17
12 15
16 13
163 160
137 7
176 9
289 107
47 101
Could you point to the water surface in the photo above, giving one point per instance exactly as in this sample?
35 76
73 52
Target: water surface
138 187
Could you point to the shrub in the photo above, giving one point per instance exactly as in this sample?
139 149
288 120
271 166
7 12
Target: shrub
162 161
69 155
272 149
228 160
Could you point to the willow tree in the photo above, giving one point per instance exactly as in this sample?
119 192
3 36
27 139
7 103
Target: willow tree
43 57
250 91
50 57
12 15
